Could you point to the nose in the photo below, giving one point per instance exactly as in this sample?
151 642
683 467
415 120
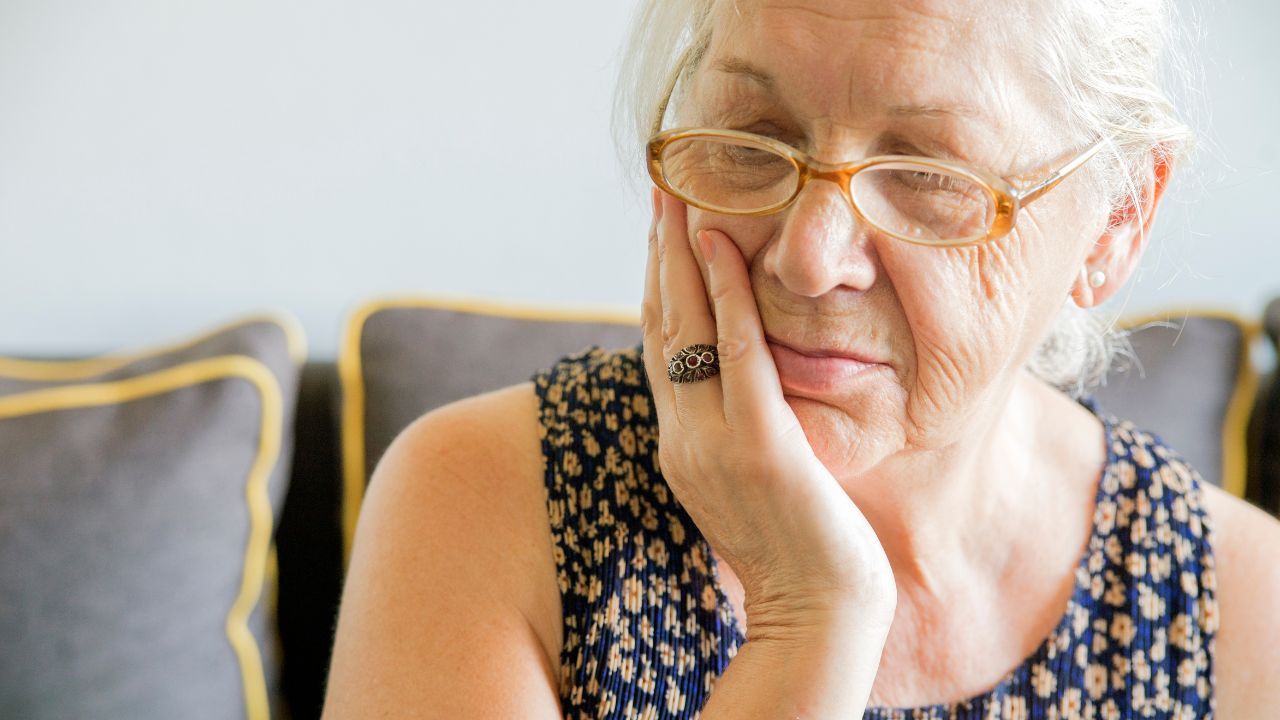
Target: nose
823 244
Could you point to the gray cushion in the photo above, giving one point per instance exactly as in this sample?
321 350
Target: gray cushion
403 357
1193 385
137 505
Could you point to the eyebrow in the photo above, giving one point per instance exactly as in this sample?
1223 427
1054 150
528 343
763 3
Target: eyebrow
739 66
915 110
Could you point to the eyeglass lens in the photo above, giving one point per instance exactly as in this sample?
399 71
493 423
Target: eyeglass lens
912 200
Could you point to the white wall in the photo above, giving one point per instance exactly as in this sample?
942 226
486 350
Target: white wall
166 165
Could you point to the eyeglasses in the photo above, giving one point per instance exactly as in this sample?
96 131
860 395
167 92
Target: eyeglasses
920 200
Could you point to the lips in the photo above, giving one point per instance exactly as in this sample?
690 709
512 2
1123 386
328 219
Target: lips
824 352
820 370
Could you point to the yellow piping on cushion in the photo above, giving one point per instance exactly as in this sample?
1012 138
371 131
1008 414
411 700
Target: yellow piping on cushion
272 580
1235 422
1235 426
40 370
256 495
351 378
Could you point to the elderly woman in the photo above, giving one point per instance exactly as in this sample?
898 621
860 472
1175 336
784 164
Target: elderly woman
845 474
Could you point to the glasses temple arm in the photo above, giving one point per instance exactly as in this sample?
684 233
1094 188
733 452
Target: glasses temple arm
1031 193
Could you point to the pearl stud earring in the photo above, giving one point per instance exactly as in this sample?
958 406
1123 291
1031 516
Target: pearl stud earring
1097 279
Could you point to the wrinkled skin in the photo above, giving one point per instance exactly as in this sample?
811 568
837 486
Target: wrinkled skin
955 324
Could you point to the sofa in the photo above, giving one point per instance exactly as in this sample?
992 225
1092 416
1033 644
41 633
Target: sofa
175 521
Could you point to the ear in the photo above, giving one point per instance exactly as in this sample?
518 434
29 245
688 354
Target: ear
1117 251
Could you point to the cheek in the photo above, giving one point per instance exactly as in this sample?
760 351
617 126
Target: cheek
750 234
966 309
949 295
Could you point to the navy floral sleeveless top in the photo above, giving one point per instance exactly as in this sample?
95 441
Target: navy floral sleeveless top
648 629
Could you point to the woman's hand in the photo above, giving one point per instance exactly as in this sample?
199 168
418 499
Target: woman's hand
736 456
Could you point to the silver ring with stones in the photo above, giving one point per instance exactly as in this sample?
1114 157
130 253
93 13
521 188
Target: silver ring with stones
694 363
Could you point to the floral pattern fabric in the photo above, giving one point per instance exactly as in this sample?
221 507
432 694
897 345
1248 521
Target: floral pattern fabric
648 629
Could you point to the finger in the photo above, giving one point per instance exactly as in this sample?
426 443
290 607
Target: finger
750 385
686 314
651 323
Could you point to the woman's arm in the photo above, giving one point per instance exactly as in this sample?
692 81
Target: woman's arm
816 662
451 607
1247 647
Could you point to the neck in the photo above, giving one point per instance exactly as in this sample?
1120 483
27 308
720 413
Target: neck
949 516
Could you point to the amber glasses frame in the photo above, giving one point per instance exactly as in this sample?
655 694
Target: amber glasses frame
1007 199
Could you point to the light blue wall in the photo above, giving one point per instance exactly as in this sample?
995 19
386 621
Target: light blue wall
166 165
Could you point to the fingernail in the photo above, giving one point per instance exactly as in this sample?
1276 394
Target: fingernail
708 245
657 204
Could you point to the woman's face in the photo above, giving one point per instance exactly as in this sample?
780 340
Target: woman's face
952 327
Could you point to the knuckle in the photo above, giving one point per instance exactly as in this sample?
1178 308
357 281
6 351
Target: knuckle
650 314
671 327
720 293
691 421
747 432
677 455
668 464
735 349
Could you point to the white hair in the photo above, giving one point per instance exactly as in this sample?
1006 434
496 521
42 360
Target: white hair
1103 58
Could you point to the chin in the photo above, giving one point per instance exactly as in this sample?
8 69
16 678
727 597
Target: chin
847 441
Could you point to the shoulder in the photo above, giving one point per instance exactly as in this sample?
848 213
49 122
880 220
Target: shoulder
479 461
457 500
484 445
474 463
490 438
1247 561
